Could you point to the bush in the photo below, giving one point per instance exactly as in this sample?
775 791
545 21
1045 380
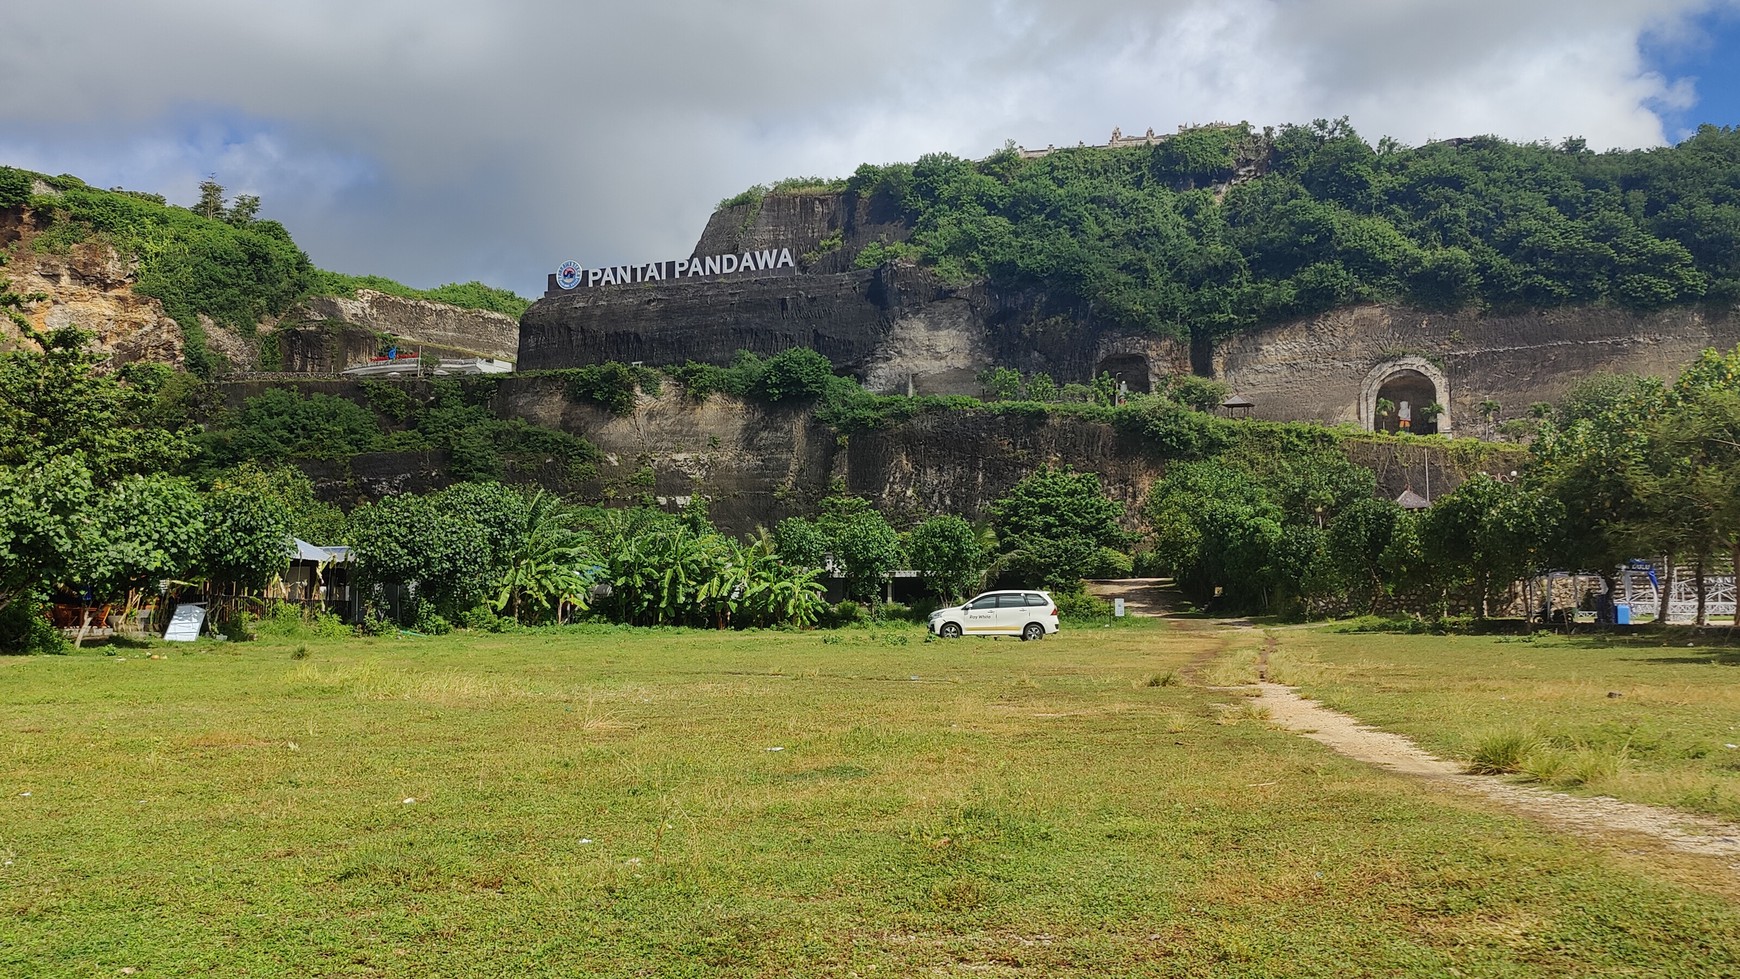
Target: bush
1082 607
842 614
14 187
285 620
791 374
429 622
610 386
25 630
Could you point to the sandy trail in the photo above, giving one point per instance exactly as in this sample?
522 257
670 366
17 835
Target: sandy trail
1596 816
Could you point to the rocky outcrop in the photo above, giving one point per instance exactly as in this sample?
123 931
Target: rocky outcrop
756 465
89 286
447 328
825 231
898 327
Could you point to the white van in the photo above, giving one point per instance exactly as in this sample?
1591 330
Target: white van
1028 614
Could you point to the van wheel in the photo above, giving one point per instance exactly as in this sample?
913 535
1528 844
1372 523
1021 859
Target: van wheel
950 630
1033 632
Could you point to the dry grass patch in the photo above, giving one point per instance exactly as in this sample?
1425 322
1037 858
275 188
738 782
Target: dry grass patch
1625 717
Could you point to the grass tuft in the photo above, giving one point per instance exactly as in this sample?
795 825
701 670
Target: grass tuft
1502 753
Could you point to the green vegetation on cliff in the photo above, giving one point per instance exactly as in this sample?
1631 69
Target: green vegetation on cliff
1219 229
212 261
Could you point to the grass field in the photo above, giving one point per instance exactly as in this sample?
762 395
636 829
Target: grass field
1636 719
665 803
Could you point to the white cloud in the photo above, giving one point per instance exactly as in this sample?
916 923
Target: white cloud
439 140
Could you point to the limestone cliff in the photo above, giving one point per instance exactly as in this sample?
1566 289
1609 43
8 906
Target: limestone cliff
89 286
896 327
1332 367
899 327
416 322
757 464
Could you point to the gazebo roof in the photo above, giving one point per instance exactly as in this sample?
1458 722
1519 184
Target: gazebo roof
1410 500
1238 401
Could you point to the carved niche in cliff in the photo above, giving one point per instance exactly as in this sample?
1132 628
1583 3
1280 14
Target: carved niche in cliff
1415 381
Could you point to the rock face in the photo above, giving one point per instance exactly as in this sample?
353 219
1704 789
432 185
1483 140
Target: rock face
898 327
756 465
1332 368
90 287
415 321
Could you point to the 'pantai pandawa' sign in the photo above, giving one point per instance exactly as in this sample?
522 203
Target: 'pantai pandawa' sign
571 275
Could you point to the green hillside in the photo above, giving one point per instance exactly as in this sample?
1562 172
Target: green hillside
1153 238
228 266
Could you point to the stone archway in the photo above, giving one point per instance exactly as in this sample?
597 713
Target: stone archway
1415 380
1131 369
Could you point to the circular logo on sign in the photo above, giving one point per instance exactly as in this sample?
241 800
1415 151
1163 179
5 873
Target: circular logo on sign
568 276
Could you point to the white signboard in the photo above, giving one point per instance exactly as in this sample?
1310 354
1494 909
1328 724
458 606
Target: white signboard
1117 608
185 623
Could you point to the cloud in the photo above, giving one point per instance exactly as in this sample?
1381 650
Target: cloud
440 140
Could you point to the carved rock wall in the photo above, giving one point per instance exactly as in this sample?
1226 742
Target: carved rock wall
1322 368
417 321
802 222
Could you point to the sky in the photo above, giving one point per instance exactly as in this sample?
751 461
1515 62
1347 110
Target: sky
445 141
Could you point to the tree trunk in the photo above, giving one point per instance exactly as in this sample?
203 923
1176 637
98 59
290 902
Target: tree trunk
1528 605
1667 589
1734 576
1701 583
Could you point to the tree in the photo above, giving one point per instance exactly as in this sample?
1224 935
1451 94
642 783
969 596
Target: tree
211 198
1488 533
447 545
1053 525
800 543
1489 409
1588 455
141 529
43 514
1359 538
243 211
248 540
792 374
548 563
1041 387
948 552
865 549
57 400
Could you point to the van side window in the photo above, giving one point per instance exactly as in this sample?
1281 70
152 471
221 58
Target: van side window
1011 601
1036 599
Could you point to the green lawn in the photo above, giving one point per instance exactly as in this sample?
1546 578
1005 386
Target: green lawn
608 802
1669 737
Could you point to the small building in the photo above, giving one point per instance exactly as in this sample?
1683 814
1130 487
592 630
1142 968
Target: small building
319 578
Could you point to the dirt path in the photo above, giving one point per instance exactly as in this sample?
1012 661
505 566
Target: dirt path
1142 596
1598 816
